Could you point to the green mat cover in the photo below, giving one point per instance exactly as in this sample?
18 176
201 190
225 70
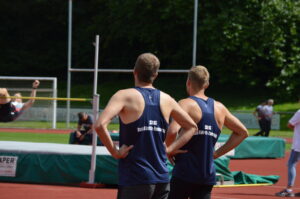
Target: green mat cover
258 147
74 169
245 178
251 147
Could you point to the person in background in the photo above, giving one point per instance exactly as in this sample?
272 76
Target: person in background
84 132
194 173
9 111
265 118
294 124
259 114
268 115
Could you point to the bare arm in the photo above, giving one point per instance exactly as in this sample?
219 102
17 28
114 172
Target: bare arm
183 120
113 108
172 132
239 133
289 125
91 130
30 102
78 127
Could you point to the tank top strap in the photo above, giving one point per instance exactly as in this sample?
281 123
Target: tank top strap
207 106
150 95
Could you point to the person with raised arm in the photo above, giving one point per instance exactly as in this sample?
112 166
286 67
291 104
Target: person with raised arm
8 109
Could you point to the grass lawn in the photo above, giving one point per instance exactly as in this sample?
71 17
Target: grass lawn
35 137
37 124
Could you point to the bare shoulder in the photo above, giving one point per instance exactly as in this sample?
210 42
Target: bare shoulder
164 95
166 98
3 92
188 104
219 106
126 93
167 104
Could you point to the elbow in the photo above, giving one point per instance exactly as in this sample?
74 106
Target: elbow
290 126
193 130
245 133
99 127
242 133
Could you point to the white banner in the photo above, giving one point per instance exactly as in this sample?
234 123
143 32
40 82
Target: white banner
229 153
8 165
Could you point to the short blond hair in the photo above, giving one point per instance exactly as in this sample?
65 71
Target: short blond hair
17 97
198 76
147 66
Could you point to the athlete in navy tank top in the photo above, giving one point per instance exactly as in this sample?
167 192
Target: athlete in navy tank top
194 172
146 162
197 165
144 113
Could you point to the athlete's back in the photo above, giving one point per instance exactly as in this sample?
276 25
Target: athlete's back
146 162
144 114
194 172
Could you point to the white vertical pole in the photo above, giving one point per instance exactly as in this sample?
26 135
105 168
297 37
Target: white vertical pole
96 64
54 103
94 146
195 32
95 112
69 61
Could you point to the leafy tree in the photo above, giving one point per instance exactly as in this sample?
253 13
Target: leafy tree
252 43
249 44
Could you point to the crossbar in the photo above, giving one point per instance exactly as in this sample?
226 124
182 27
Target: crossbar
52 98
29 89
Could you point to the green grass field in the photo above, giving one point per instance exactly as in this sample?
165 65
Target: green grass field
36 124
35 137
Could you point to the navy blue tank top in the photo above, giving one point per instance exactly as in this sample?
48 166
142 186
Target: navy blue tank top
146 163
197 165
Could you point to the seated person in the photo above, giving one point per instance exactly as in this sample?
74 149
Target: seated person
8 110
84 133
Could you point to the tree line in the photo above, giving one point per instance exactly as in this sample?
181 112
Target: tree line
244 44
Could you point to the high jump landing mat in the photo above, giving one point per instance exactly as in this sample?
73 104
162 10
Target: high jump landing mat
49 163
251 147
256 147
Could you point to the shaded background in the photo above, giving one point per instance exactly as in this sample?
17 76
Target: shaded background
251 47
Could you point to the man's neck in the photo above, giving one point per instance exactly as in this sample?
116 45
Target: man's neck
143 84
199 94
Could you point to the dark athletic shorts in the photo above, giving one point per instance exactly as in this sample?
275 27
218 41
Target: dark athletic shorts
151 191
183 190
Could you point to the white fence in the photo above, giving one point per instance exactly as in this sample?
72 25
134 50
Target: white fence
43 114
